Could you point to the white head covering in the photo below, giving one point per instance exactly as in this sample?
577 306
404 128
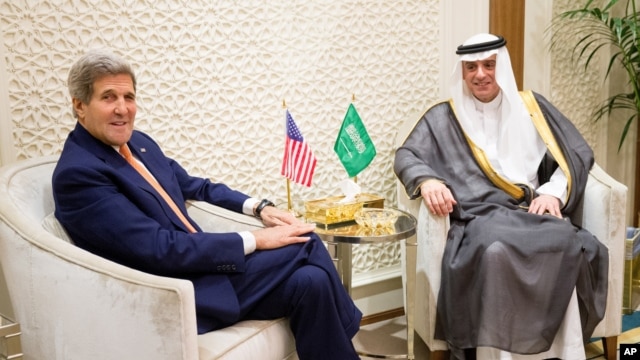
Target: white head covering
520 149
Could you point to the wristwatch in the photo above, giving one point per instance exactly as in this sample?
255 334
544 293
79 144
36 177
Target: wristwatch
264 203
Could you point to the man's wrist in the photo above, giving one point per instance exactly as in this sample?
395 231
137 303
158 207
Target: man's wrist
419 188
261 205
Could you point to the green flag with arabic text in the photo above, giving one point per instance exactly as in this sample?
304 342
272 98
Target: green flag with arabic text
353 145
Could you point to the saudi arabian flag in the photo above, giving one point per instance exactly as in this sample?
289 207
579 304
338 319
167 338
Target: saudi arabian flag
353 145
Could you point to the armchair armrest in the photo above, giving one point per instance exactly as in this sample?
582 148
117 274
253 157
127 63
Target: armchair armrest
603 214
72 304
431 235
216 219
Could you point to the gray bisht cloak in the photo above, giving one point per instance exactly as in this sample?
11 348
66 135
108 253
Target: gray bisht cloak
507 275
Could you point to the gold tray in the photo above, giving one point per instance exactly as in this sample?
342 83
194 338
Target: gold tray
330 211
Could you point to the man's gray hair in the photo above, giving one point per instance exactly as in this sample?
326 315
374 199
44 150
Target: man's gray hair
92 66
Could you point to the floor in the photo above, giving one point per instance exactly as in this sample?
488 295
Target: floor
389 338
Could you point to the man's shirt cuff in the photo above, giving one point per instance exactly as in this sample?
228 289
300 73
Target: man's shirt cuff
249 242
247 207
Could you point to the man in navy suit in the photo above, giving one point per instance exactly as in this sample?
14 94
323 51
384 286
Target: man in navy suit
109 209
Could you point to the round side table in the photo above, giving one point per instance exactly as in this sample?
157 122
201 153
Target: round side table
344 236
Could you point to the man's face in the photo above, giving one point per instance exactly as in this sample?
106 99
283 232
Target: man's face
111 111
480 77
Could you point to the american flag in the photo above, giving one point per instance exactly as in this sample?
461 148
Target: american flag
298 163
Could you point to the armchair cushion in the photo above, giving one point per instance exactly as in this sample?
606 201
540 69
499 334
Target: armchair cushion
246 339
52 225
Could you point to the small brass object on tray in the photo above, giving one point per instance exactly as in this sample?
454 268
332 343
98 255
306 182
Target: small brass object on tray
373 218
330 211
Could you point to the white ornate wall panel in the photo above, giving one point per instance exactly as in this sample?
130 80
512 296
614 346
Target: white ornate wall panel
212 76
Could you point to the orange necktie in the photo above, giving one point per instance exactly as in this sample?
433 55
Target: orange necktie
124 150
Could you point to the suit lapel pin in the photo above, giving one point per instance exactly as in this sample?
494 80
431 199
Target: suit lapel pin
143 150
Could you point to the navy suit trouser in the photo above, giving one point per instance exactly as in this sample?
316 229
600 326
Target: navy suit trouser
300 281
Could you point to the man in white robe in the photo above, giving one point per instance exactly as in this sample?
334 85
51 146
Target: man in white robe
510 171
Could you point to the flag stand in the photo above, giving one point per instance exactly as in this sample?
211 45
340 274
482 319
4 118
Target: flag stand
289 206
289 202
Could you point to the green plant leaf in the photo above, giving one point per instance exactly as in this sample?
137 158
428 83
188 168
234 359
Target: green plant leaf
598 31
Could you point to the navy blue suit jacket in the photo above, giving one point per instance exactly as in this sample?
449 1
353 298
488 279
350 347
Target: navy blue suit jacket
110 210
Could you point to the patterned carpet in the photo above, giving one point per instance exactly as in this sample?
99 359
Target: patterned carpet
630 335
389 337
594 349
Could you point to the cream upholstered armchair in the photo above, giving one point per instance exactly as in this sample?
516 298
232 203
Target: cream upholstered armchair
73 305
603 214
